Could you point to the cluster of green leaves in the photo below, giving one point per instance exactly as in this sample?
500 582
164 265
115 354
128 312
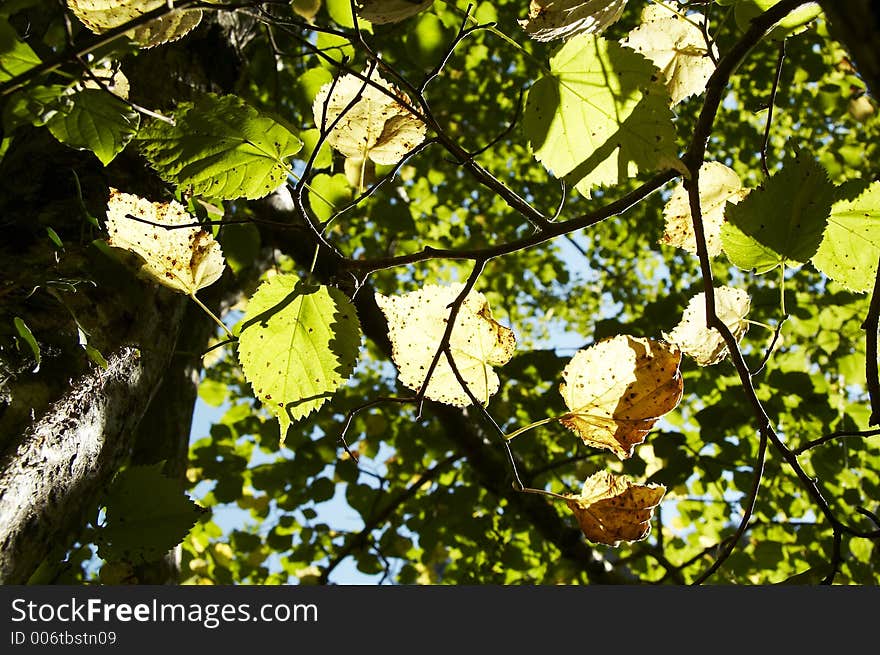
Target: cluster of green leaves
589 114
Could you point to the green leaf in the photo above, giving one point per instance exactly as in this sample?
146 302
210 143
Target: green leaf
147 515
299 343
601 117
16 56
25 333
780 222
95 120
220 147
850 246
427 40
241 245
214 393
324 158
33 105
340 12
327 194
794 23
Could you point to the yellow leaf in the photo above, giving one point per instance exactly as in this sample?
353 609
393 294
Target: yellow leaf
698 341
416 323
556 19
612 509
103 15
618 388
375 126
677 47
718 186
185 259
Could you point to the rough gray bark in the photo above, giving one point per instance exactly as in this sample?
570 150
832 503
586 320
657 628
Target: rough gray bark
52 477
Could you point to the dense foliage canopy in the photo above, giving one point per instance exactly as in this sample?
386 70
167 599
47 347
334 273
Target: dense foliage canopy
474 292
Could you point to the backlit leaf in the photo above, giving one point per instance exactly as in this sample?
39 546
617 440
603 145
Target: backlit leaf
850 246
677 47
706 345
600 117
185 259
416 323
16 56
299 343
618 388
220 147
374 127
611 509
782 221
103 15
93 119
718 186
557 19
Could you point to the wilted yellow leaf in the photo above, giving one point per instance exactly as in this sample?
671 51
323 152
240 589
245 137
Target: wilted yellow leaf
612 509
677 47
718 186
618 388
416 323
698 341
557 19
375 127
390 11
103 15
185 259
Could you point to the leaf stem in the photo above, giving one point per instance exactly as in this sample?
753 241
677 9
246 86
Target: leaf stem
530 426
782 290
541 492
212 315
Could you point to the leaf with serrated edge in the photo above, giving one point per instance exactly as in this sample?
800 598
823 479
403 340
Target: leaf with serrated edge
416 323
707 346
380 12
850 246
375 127
611 509
220 147
103 15
599 118
781 222
618 388
299 343
677 47
185 259
556 19
94 120
148 514
718 186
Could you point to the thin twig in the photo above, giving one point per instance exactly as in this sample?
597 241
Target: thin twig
835 559
747 514
362 537
769 352
778 76
834 435
870 326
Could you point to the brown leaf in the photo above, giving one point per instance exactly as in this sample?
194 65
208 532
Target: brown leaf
618 389
612 509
